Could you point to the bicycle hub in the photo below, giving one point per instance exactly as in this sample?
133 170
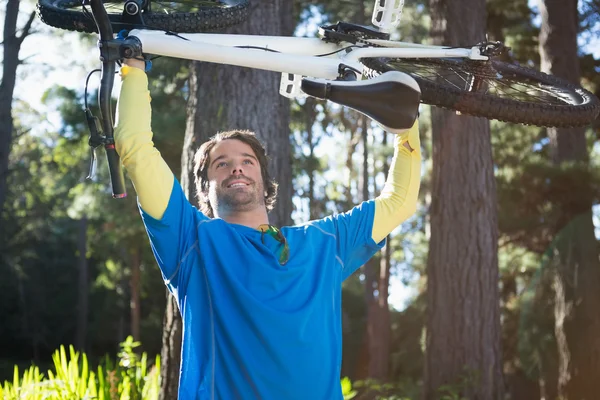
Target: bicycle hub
133 7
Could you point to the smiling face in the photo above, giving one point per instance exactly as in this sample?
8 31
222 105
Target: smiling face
235 182
241 142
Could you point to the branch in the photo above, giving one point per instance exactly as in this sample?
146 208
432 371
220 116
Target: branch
20 132
22 61
26 28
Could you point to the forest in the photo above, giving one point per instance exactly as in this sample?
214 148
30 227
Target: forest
490 291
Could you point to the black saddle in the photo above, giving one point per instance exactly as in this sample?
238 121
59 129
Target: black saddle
391 99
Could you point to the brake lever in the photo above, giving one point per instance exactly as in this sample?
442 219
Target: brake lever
96 139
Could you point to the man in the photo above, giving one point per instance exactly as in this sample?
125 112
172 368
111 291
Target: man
260 305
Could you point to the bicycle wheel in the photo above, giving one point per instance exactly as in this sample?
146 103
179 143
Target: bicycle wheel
496 90
182 16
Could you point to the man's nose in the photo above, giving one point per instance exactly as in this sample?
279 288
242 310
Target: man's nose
237 169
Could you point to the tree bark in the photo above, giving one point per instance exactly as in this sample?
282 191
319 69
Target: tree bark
224 98
352 143
378 321
548 381
82 287
370 269
310 114
577 279
135 293
170 354
463 310
379 310
10 62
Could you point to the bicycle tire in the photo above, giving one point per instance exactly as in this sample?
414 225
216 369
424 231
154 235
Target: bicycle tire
61 14
568 105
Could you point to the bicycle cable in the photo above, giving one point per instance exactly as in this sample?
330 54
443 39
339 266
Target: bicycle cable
276 51
85 90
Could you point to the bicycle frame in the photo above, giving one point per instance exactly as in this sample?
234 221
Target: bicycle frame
289 55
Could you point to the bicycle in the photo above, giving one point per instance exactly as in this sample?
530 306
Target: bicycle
468 80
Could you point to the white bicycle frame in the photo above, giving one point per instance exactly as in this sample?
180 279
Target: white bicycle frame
295 57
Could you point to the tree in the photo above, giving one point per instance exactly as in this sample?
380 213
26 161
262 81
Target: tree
463 316
379 317
575 250
12 46
223 98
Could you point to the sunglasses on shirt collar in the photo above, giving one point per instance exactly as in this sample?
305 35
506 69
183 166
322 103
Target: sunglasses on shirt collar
283 251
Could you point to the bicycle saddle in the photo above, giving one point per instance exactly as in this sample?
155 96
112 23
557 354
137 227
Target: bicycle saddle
391 99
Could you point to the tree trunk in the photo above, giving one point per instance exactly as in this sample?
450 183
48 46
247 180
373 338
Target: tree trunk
577 279
370 269
463 310
10 62
135 293
170 354
224 98
378 322
548 381
379 310
310 114
82 287
577 323
519 386
352 143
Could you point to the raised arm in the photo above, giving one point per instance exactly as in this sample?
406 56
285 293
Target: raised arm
398 199
151 176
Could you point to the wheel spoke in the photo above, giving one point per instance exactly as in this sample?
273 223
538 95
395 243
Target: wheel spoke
460 74
512 90
533 91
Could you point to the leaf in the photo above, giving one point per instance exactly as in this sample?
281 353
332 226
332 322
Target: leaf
83 381
16 377
346 385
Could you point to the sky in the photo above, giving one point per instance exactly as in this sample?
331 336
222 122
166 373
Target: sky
66 61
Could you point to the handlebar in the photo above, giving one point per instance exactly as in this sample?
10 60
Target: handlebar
104 97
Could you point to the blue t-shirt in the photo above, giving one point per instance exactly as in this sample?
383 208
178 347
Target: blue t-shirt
252 328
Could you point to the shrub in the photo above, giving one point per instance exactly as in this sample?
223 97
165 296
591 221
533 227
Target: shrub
71 379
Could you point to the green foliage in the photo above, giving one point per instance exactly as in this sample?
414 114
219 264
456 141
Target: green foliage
374 390
347 390
72 379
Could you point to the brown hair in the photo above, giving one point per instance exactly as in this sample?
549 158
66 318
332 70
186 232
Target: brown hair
202 161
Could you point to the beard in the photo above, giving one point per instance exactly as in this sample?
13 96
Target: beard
227 200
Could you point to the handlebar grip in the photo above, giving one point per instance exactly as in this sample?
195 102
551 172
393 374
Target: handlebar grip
116 172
